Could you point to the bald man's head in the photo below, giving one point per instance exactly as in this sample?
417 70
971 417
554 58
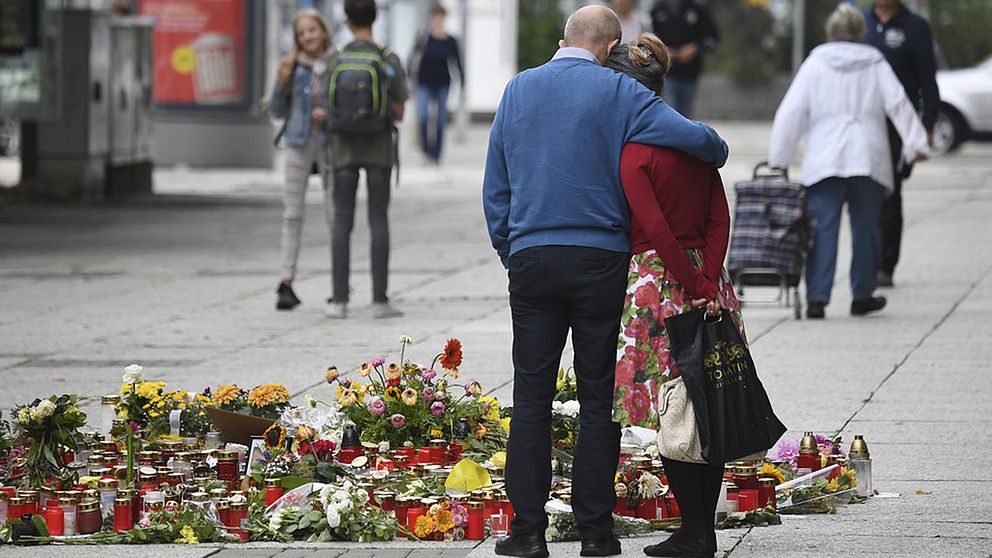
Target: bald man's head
594 28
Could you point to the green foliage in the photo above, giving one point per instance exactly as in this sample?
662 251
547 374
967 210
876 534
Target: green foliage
540 26
754 518
50 426
750 52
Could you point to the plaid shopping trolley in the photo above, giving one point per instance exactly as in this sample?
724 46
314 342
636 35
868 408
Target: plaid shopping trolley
770 236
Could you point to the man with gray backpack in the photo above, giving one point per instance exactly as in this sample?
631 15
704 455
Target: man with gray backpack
365 100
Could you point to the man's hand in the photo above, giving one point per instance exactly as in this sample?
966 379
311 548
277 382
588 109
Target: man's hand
319 114
285 70
686 53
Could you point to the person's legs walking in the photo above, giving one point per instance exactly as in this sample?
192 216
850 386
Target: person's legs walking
298 163
596 288
864 201
824 202
680 93
686 482
423 117
378 212
345 188
441 95
890 217
540 326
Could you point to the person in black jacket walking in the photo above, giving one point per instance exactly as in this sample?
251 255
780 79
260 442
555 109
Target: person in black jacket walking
905 40
689 31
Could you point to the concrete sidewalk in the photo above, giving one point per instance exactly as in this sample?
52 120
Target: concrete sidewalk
184 283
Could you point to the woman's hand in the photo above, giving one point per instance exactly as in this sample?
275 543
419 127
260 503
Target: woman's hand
715 306
285 70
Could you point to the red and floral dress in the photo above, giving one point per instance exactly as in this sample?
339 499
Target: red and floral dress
680 227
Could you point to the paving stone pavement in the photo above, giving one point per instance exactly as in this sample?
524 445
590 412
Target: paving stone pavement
184 283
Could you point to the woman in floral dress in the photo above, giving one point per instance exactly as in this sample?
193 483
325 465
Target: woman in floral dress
680 226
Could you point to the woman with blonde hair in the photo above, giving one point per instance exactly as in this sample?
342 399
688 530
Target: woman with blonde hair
679 230
300 98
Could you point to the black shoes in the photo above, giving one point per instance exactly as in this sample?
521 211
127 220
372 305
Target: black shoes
814 310
607 546
864 306
287 298
528 545
680 544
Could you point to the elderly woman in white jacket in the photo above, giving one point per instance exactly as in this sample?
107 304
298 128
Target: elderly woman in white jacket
840 99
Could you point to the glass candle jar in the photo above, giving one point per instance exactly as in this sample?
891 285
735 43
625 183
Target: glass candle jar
747 500
412 514
123 520
108 412
15 507
30 501
385 499
55 521
89 520
68 506
238 519
273 491
227 466
223 508
766 492
4 507
475 530
213 440
402 506
732 495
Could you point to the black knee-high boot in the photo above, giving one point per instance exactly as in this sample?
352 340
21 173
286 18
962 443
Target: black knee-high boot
692 539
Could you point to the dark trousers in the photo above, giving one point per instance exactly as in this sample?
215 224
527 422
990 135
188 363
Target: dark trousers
554 289
890 219
345 192
696 487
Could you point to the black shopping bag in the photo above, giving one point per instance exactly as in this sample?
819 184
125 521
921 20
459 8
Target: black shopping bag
733 413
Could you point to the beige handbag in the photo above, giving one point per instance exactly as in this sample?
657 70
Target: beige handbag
678 437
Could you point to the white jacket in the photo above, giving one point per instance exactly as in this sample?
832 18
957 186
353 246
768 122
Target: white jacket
840 98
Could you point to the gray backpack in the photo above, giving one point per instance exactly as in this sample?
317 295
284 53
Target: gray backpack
358 97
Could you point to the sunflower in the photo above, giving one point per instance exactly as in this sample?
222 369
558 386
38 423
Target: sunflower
769 470
391 394
423 527
275 437
268 394
452 355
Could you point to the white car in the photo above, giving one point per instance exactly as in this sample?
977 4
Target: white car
965 106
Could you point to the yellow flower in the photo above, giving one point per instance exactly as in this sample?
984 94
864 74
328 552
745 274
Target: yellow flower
409 396
347 397
391 394
833 485
424 526
274 436
498 459
393 371
364 370
504 423
480 432
769 470
148 390
493 413
268 394
187 536
445 520
154 414
226 394
437 433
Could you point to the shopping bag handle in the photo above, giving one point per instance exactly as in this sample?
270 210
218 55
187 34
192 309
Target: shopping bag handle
770 172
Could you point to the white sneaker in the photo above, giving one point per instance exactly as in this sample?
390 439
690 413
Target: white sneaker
336 310
382 310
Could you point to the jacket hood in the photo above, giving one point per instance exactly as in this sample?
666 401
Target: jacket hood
844 56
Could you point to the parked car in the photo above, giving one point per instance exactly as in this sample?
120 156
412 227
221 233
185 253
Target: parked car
965 107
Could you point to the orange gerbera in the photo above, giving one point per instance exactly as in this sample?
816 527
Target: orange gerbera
452 355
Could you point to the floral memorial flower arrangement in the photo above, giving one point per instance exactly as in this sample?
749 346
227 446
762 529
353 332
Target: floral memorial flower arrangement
49 428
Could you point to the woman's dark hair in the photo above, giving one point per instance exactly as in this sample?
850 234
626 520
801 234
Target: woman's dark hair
438 9
361 12
645 59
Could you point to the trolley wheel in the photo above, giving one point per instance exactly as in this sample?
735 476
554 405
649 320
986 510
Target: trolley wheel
797 305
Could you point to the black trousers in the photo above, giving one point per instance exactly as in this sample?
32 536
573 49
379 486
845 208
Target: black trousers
890 219
554 289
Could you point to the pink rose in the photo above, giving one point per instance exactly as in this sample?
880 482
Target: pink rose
636 356
647 295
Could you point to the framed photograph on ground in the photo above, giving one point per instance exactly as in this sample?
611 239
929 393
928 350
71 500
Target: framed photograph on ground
255 450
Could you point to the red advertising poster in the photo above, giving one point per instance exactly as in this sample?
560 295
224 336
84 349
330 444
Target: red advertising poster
198 51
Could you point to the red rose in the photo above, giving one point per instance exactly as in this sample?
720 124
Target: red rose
669 309
636 402
647 295
623 375
645 268
636 356
638 329
659 345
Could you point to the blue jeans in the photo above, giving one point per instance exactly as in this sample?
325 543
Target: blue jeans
679 93
824 203
432 129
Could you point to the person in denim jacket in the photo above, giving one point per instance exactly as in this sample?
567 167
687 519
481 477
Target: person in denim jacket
300 98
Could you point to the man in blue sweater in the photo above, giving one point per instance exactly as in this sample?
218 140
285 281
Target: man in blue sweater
558 219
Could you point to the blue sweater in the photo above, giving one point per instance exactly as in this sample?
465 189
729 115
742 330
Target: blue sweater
553 167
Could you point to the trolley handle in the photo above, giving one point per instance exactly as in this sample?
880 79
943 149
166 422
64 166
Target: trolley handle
770 171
